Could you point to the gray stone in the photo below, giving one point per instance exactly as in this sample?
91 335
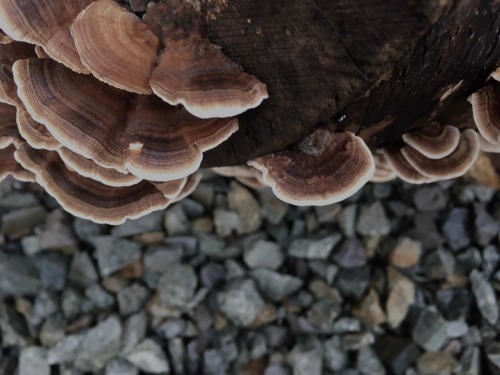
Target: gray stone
346 324
73 303
322 315
82 271
453 303
430 330
192 208
456 229
132 298
256 345
214 247
211 274
276 336
469 259
246 206
274 285
372 220
485 297
119 366
369 363
401 296
426 231
46 304
351 254
264 254
21 221
493 357
18 276
157 258
52 268
471 361
17 199
382 190
174 327
276 369
240 301
134 331
487 228
148 356
86 229
99 345
313 249
33 360
176 222
347 220
335 358
66 350
430 198
396 352
13 326
99 296
204 193
30 245
52 331
225 221
177 354
214 362
177 285
356 341
491 259
353 282
57 235
439 264
273 209
306 357
114 253
151 222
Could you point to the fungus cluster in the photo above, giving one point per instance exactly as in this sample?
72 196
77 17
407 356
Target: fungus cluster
109 113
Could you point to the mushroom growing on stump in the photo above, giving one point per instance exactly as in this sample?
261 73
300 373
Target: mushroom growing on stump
433 140
120 49
93 200
383 170
402 168
116 129
87 168
45 23
486 111
323 168
454 165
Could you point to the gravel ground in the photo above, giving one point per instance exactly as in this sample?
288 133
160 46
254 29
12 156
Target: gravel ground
398 279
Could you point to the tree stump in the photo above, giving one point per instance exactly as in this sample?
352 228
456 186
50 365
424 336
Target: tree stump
378 68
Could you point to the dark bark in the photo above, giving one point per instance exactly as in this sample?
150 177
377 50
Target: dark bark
375 67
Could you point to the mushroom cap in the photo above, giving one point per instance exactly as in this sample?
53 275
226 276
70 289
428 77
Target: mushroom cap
40 53
451 166
4 38
402 168
486 146
87 168
383 170
91 199
45 23
486 112
34 133
195 73
116 129
8 127
116 46
433 140
10 167
325 168
192 182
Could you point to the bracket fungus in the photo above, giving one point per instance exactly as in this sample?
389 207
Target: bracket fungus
485 109
383 170
121 50
45 23
247 175
453 165
402 168
433 140
91 199
116 129
324 168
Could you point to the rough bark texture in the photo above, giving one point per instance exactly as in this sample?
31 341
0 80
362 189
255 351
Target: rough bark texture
375 67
